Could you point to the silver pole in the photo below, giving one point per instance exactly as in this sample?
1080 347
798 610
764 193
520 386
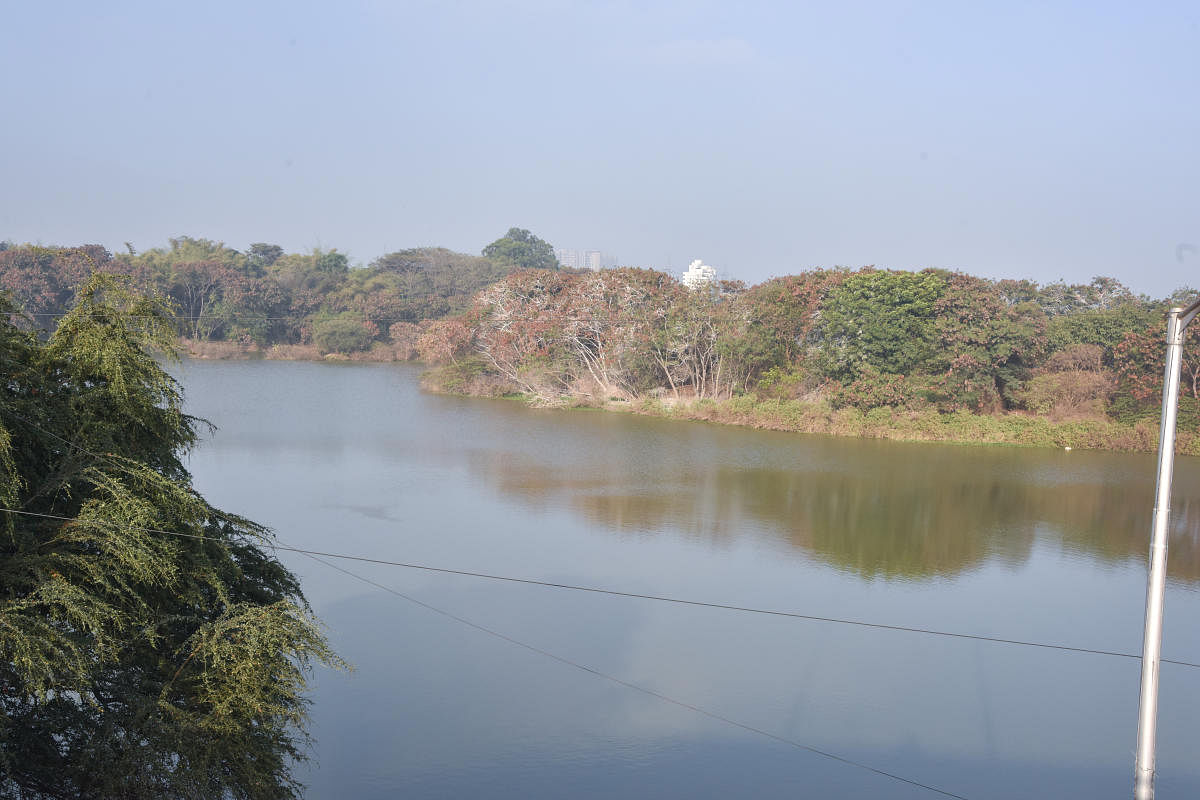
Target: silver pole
1143 774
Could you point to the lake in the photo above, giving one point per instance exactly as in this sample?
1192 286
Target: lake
1037 545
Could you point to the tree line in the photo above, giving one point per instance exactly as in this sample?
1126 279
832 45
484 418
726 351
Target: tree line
866 338
509 320
265 296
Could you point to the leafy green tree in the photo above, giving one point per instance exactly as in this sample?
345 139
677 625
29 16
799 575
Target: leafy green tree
345 333
767 331
332 262
257 309
520 248
880 320
875 389
150 645
1105 327
308 282
435 281
262 255
987 346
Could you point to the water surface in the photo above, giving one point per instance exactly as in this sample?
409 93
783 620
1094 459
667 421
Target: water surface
1039 545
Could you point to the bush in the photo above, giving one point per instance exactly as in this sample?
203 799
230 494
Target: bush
404 336
875 389
342 334
778 383
1073 392
1077 357
457 378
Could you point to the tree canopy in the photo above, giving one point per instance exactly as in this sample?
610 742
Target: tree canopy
520 248
150 646
263 296
863 338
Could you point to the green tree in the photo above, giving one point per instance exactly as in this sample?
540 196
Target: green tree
1105 327
346 333
262 255
520 248
987 346
879 320
150 646
435 281
768 330
332 262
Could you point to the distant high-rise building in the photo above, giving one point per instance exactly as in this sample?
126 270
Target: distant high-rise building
568 258
698 274
584 259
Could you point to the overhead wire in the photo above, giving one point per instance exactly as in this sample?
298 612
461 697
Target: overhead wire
612 592
316 556
277 545
643 689
306 318
319 556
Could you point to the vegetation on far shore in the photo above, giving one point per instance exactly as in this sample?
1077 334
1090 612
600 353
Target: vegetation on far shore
930 355
1022 429
926 355
265 297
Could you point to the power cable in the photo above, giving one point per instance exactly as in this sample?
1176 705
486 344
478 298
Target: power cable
612 592
638 688
640 596
315 555
298 318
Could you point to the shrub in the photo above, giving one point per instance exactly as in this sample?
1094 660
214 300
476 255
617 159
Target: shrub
445 341
874 389
457 378
778 383
1071 392
1077 357
404 336
342 334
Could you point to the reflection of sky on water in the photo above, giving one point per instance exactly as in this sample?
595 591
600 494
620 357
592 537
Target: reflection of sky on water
353 459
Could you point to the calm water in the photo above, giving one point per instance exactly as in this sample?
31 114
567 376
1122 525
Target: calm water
1029 544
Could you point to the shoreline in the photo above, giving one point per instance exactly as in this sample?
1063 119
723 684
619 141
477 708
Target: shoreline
1013 429
235 351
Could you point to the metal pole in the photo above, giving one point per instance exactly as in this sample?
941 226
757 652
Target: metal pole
1143 774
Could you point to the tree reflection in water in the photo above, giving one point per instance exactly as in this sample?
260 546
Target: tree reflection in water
911 512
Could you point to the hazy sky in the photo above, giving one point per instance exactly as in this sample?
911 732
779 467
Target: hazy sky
1008 139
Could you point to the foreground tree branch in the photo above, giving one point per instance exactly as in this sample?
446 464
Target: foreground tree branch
133 663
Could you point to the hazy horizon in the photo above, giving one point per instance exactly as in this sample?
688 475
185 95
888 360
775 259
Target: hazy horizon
1003 140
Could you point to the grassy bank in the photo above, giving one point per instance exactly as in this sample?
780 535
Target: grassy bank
801 416
1020 429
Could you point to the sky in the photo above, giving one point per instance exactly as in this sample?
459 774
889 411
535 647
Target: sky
1011 139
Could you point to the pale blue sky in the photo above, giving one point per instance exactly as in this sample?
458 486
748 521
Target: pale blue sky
1008 139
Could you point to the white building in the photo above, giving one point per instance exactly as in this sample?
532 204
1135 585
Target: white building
699 274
